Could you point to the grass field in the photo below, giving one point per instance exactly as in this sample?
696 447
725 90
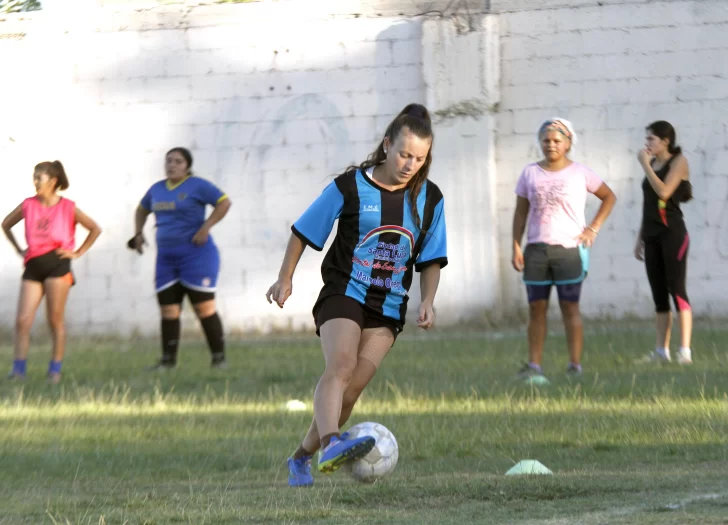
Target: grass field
114 444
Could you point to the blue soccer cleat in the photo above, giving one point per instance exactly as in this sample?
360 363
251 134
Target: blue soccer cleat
342 450
299 472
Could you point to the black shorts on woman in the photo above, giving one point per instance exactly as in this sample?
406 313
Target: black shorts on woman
50 265
343 307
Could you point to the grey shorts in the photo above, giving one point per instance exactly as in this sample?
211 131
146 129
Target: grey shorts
555 264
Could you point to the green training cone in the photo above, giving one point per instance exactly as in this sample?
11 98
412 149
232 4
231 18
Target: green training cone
537 380
526 467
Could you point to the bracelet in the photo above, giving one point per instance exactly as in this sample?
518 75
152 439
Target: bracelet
592 229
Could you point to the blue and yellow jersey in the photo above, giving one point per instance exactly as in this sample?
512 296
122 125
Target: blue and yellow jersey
377 244
180 208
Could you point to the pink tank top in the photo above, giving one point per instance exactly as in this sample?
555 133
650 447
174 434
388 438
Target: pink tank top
49 228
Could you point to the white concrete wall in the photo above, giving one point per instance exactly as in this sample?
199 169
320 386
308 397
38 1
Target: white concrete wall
274 101
272 108
612 70
462 77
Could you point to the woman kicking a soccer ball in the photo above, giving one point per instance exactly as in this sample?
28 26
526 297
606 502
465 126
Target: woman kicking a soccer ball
391 222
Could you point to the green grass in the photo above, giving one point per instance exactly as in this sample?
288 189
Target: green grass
115 444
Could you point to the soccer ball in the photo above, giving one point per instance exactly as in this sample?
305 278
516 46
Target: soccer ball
383 457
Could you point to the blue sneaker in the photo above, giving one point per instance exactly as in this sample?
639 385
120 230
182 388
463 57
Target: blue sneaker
299 472
340 451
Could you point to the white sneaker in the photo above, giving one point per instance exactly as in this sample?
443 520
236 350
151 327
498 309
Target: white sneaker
684 356
655 357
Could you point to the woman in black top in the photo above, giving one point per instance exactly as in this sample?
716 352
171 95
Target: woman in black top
663 240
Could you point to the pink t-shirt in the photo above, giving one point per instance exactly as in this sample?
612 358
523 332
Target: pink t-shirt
557 201
49 228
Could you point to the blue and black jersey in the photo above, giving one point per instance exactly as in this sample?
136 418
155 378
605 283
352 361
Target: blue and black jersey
180 208
377 244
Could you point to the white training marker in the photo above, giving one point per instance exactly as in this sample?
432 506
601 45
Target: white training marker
528 467
294 405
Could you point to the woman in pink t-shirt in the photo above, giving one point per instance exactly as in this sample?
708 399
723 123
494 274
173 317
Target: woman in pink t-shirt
50 226
552 197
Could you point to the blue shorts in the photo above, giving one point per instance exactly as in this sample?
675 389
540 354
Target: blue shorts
196 267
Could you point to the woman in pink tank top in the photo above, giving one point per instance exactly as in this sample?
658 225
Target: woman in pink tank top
50 226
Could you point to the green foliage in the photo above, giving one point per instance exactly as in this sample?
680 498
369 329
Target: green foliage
19 6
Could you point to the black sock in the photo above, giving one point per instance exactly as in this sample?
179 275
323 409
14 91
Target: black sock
301 452
170 340
327 439
212 326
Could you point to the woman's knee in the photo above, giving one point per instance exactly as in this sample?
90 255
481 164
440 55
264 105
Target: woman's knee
682 303
341 367
570 309
538 308
205 309
170 311
56 321
24 323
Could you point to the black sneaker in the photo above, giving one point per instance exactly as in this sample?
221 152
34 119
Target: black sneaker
219 363
527 372
573 371
162 366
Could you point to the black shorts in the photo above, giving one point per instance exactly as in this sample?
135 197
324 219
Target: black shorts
48 266
343 307
175 294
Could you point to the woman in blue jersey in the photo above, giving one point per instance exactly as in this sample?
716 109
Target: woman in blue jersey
391 222
188 261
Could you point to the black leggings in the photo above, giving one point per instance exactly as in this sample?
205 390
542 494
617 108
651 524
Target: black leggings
666 259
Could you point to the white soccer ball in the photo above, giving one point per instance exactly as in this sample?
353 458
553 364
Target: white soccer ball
383 457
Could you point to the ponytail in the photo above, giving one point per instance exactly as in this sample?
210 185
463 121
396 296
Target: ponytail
665 131
54 170
416 119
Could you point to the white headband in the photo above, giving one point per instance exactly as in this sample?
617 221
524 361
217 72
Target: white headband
561 125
